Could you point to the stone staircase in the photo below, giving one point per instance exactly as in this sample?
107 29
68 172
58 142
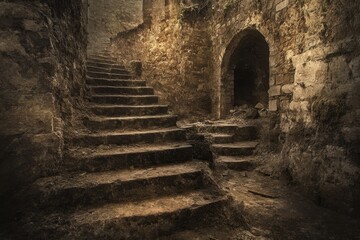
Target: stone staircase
130 173
231 145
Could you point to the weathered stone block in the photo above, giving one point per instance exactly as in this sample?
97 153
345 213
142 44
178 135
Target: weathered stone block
274 91
280 6
287 88
273 105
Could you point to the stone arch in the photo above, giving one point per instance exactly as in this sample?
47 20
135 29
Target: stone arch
245 71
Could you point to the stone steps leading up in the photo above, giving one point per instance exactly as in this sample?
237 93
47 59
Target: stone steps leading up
125 99
235 149
162 135
115 186
137 122
129 110
121 90
128 157
113 82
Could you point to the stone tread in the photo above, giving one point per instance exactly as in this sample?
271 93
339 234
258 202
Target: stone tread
154 207
245 144
133 132
125 106
234 159
221 135
109 73
116 150
110 79
152 117
84 180
123 96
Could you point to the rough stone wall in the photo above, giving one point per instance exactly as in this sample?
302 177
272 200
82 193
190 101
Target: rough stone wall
314 65
174 48
42 51
109 17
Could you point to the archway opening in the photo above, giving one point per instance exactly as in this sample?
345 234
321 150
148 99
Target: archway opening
245 76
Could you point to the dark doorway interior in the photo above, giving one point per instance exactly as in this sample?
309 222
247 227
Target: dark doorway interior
250 62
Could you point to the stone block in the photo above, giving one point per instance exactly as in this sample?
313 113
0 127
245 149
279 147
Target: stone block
273 105
274 91
287 88
280 6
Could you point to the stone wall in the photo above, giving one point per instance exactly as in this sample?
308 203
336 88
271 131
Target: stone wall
42 51
109 17
175 48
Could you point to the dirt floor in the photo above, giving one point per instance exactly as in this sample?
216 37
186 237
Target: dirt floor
274 210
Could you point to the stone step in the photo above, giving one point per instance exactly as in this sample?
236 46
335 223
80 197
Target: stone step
220 138
235 149
129 110
79 189
121 90
218 128
145 219
125 99
101 60
132 122
108 75
104 65
235 163
115 158
107 70
102 56
112 82
129 137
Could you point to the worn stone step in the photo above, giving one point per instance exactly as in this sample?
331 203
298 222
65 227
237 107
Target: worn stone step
144 219
108 75
107 70
104 65
112 82
121 90
114 158
129 137
235 149
236 163
102 55
220 138
132 122
125 99
115 186
101 60
129 110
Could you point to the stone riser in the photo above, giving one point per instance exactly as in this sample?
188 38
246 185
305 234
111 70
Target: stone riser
101 60
129 138
108 75
130 160
107 70
132 123
130 111
119 83
228 151
118 191
121 90
104 65
222 139
125 100
155 226
245 133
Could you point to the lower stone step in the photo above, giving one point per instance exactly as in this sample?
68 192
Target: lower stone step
129 110
235 149
115 70
121 90
137 122
129 137
218 138
74 190
94 63
127 157
108 75
125 99
111 82
235 163
147 219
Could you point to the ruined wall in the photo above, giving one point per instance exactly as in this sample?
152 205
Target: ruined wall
109 17
174 47
314 65
41 70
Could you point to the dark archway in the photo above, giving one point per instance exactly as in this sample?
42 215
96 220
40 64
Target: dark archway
245 71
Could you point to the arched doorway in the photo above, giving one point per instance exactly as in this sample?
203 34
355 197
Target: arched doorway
245 71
